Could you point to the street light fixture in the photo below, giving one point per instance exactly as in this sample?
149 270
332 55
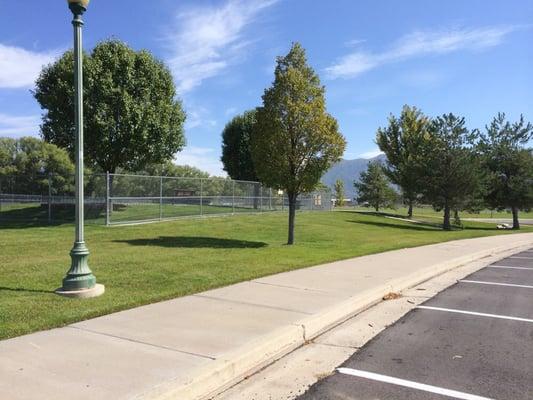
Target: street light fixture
80 281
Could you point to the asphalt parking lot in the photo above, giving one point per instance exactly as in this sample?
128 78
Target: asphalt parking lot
472 341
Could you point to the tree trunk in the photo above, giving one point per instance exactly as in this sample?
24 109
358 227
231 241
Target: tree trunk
456 217
446 224
410 210
516 222
292 215
377 207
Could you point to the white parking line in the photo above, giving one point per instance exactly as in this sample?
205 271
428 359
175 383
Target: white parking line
452 310
496 283
505 267
410 384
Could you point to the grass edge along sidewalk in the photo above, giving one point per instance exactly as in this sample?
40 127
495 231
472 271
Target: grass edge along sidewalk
228 333
149 263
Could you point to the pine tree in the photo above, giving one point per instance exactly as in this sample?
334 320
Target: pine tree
373 187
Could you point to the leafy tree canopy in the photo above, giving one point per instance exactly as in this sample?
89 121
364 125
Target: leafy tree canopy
27 163
131 115
236 147
170 169
295 140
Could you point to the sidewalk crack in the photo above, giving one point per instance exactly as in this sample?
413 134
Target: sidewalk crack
140 342
290 287
251 304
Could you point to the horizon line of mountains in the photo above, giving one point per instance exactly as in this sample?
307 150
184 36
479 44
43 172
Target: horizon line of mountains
348 171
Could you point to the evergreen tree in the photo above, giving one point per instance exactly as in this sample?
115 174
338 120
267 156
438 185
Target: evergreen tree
374 188
401 141
452 175
509 165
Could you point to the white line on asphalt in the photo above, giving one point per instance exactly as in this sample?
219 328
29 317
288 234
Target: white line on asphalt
496 283
523 258
506 267
410 384
475 313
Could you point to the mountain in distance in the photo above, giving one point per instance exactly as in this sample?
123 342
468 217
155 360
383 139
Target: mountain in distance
348 171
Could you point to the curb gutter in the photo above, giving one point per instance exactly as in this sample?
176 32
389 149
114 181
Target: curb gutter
253 356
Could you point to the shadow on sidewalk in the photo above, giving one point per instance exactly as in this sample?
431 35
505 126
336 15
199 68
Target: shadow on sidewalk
194 242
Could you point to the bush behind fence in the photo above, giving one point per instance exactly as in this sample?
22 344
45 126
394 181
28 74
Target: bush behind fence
114 199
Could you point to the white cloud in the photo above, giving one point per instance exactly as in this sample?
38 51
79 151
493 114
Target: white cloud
420 43
201 157
208 40
199 117
354 42
18 126
19 68
370 154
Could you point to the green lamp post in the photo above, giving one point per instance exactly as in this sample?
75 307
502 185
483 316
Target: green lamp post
80 281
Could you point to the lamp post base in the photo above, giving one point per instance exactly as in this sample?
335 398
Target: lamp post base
95 291
79 277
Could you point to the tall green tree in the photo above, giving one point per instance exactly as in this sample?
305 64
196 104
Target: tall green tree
509 164
236 147
401 141
374 188
339 193
27 164
132 117
295 140
452 173
237 151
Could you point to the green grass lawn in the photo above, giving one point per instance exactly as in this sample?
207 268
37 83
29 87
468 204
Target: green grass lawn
147 263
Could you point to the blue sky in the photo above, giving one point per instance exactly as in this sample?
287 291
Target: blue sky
473 58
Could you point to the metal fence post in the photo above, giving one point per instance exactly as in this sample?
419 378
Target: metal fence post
233 199
107 200
270 199
161 198
201 196
49 198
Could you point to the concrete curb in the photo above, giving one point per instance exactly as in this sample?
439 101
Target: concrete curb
237 365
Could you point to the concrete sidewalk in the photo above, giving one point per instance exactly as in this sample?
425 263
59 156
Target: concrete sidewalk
194 346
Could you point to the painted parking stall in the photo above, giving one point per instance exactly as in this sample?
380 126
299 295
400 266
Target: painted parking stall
472 341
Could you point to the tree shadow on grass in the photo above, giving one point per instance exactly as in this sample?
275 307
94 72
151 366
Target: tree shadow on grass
194 242
421 226
36 216
9 289
410 227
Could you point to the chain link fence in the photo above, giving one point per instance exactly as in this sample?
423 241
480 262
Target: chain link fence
115 199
